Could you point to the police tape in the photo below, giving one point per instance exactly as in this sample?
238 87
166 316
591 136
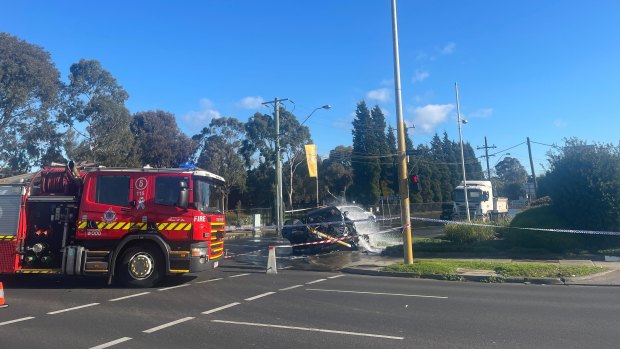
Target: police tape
314 225
327 241
549 230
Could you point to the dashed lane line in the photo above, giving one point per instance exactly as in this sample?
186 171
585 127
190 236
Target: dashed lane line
70 309
335 276
130 296
238 275
111 343
16 320
221 308
172 287
210 280
166 325
290 288
315 281
259 296
377 293
309 329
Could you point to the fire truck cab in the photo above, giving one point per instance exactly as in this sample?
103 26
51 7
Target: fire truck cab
133 225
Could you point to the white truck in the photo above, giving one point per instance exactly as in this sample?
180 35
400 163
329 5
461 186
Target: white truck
483 205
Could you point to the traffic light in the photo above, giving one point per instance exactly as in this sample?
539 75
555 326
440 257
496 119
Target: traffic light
415 181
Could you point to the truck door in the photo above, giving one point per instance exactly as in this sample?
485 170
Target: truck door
108 212
173 222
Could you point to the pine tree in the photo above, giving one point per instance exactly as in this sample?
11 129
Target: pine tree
366 169
383 151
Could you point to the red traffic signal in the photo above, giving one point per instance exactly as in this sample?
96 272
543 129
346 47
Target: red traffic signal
415 180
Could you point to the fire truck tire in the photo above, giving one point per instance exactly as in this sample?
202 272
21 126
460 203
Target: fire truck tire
141 266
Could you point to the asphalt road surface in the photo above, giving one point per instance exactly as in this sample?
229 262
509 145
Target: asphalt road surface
239 306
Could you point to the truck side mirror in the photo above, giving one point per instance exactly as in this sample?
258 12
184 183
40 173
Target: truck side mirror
183 200
485 196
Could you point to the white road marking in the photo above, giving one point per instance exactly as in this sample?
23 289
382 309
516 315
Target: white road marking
377 293
290 288
315 281
335 276
114 342
287 267
221 308
171 287
74 308
16 320
130 296
309 329
172 323
210 280
238 275
259 296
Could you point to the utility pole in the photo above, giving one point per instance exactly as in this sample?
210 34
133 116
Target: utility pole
458 114
529 150
403 182
486 155
279 210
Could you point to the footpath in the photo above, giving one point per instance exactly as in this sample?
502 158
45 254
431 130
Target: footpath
373 265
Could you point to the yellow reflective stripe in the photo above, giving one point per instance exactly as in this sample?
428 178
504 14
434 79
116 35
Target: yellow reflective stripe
128 226
180 226
143 226
171 226
100 225
188 227
119 225
162 226
110 225
217 243
217 223
82 225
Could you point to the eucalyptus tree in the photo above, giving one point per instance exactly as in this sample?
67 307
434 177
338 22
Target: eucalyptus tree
29 91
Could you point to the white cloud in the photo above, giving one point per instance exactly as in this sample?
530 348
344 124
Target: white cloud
204 116
426 118
559 123
381 95
448 49
482 113
251 102
387 82
420 75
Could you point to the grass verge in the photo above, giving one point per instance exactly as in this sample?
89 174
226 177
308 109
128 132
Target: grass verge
448 268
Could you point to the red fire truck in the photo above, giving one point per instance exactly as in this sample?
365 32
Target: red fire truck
133 225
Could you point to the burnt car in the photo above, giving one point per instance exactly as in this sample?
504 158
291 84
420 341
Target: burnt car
349 222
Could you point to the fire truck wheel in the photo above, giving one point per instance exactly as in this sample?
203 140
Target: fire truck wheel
141 266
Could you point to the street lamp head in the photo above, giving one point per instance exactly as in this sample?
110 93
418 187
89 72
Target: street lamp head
326 106
464 121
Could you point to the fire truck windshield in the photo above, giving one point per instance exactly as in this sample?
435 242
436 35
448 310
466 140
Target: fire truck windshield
206 195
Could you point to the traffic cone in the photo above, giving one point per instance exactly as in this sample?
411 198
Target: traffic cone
271 262
2 305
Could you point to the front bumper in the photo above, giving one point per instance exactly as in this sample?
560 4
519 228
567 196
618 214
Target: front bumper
199 258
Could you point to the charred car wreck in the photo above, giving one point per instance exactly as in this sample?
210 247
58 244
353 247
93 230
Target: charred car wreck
349 224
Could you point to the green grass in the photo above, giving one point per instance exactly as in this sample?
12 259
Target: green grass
449 268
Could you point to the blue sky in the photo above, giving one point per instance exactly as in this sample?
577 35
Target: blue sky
540 69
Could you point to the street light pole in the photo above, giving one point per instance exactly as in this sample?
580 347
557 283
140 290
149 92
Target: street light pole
403 184
326 107
458 114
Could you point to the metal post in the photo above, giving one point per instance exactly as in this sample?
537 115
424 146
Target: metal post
317 190
529 150
403 185
458 114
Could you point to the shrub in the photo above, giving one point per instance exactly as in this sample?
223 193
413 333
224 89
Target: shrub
545 217
467 234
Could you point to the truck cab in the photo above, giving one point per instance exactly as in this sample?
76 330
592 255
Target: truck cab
483 204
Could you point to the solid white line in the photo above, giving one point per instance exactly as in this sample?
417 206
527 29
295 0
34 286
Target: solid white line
130 296
74 308
16 320
221 308
377 293
236 276
210 280
172 323
171 287
335 277
109 344
315 281
309 329
259 296
290 288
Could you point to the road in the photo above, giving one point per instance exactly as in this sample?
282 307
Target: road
238 305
